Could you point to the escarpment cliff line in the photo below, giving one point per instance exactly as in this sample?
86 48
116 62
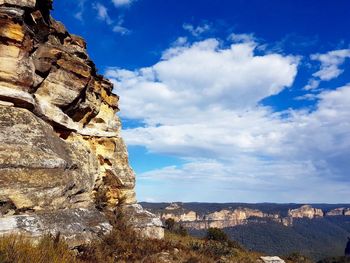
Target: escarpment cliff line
230 217
62 159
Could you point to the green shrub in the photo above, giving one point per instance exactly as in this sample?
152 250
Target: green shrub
217 249
176 228
170 224
180 230
216 234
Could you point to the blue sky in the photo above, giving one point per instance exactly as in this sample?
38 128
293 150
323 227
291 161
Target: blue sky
227 101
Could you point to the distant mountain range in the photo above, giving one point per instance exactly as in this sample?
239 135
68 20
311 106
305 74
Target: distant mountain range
315 230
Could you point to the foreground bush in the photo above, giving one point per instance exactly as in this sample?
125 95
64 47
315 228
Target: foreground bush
174 227
170 224
216 234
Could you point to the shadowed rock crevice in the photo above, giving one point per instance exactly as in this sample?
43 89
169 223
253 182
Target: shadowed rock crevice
60 144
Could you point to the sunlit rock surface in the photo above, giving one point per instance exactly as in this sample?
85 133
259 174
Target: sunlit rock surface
61 154
339 212
230 217
305 211
144 222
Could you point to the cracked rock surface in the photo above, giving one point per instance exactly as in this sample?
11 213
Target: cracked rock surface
60 147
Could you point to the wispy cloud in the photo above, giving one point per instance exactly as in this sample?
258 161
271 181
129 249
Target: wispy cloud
81 8
102 13
121 3
241 38
196 31
330 63
294 41
120 29
312 84
329 68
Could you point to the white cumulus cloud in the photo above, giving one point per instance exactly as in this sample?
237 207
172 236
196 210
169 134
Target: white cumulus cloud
200 102
202 77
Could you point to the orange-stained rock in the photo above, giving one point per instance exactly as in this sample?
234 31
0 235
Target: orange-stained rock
110 98
11 30
61 152
72 64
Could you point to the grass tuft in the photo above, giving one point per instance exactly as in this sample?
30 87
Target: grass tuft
20 249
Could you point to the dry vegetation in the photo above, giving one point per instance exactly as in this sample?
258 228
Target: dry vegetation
119 246
122 245
18 249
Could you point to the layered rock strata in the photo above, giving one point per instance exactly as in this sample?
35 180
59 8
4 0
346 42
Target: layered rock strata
305 211
241 215
60 147
339 212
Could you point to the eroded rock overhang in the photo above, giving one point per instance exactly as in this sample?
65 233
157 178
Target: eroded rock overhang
60 144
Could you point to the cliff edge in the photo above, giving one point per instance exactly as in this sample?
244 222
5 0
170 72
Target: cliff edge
62 159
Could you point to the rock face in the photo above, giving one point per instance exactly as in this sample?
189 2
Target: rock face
305 211
339 212
189 216
229 217
61 154
219 219
76 225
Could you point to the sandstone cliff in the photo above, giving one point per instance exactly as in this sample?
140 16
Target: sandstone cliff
339 212
239 216
305 211
62 160
219 219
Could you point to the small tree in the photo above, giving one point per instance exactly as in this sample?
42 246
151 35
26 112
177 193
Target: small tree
182 231
170 224
216 234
